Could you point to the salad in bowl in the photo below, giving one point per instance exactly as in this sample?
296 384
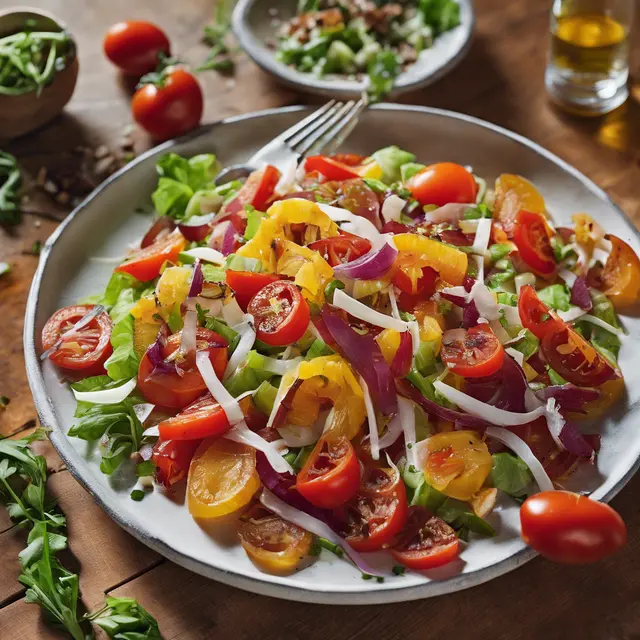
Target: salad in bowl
358 354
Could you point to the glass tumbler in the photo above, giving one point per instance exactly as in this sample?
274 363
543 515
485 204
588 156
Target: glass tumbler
588 66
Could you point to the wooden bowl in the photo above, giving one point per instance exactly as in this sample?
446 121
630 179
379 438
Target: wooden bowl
26 112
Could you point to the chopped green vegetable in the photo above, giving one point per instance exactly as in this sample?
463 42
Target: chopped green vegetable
145 468
125 618
555 377
383 69
319 348
458 514
527 345
330 289
137 495
398 570
510 474
340 58
213 273
441 15
254 218
425 358
499 251
556 296
479 211
265 396
391 160
409 169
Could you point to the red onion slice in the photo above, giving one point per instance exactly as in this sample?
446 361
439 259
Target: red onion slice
228 240
575 442
401 363
197 228
580 294
197 280
569 397
370 266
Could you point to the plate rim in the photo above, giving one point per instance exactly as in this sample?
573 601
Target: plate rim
101 495
252 46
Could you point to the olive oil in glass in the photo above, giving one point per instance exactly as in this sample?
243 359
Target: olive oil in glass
588 64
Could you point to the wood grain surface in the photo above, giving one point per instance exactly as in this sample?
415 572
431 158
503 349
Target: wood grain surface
501 80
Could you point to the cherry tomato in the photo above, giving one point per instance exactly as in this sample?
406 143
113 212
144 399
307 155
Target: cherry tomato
171 109
513 194
87 348
532 239
535 315
162 227
341 249
570 355
178 391
172 458
426 542
329 168
246 284
473 353
350 159
457 463
145 264
442 183
280 312
355 196
133 46
222 478
570 528
331 475
620 277
273 544
257 191
378 511
202 419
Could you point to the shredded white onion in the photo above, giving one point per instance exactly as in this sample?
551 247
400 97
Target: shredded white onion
600 256
143 410
481 242
207 254
394 429
315 526
362 311
603 325
568 276
524 279
395 312
407 415
313 331
247 338
450 212
241 433
357 224
371 419
499 331
521 449
232 313
518 356
282 390
288 177
280 367
414 330
107 396
392 208
297 436
188 334
469 226
212 307
555 422
572 314
228 403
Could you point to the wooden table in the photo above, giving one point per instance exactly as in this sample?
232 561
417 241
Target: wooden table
501 80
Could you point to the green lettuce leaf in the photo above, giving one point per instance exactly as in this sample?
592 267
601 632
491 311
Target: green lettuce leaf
123 362
510 474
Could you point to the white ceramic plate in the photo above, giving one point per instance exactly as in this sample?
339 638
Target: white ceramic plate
253 28
106 224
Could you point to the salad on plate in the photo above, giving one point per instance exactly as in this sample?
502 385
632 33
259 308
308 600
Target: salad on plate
357 354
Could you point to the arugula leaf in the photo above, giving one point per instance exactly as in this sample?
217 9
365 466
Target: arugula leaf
527 345
126 619
510 474
459 515
556 296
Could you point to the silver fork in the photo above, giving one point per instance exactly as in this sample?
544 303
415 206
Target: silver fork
321 132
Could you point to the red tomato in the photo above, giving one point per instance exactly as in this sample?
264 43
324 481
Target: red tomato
570 528
202 419
354 195
178 391
475 353
257 191
341 249
329 168
378 511
532 239
161 228
331 475
280 312
442 183
87 349
172 458
170 109
246 284
535 315
133 46
145 264
350 159
426 542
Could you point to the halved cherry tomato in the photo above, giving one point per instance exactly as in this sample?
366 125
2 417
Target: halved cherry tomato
145 264
513 194
329 168
280 312
535 315
474 353
457 463
571 356
532 239
246 284
204 418
172 458
353 195
377 513
443 183
426 542
275 545
620 277
162 227
133 46
570 528
222 478
257 191
331 475
341 249
87 348
178 391
171 109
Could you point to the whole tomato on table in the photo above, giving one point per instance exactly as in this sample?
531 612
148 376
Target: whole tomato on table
134 46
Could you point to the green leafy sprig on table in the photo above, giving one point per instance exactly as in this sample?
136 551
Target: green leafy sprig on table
9 184
216 36
23 478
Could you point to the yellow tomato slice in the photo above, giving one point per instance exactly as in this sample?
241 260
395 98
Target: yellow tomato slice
518 193
457 463
222 478
449 262
273 544
388 341
621 274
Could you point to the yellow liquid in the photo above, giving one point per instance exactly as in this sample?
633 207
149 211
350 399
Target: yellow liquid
590 44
